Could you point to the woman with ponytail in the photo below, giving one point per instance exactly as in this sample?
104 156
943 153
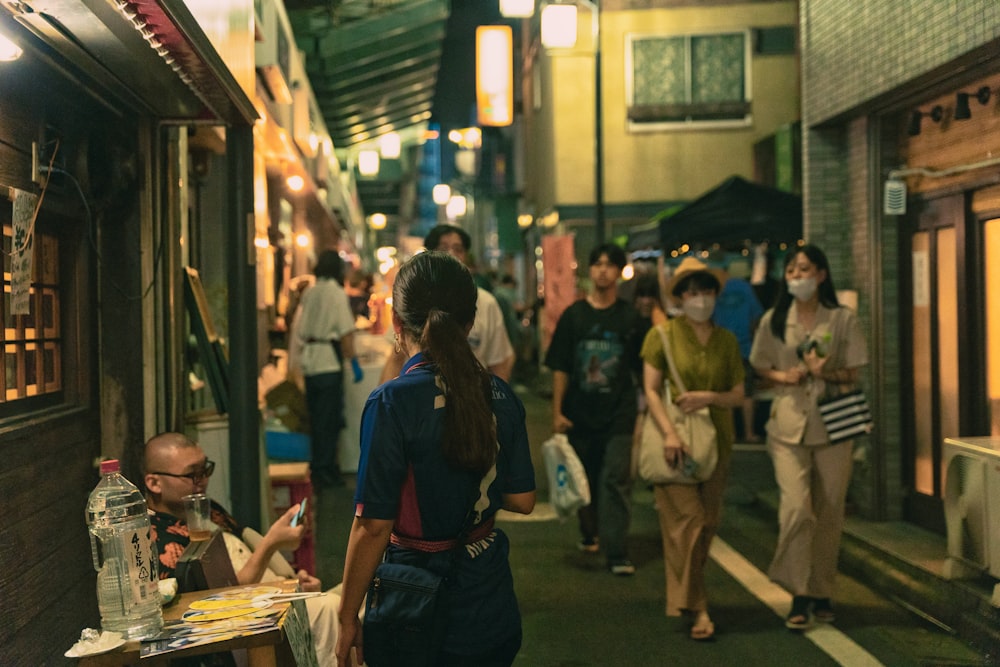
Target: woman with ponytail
443 448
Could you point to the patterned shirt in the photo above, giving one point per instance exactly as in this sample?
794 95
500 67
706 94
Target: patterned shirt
598 349
172 538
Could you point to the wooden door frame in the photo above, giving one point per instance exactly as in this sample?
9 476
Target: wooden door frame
924 510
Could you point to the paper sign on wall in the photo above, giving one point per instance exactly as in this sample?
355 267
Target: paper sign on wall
21 252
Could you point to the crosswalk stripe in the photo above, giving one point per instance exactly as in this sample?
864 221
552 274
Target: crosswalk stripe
833 642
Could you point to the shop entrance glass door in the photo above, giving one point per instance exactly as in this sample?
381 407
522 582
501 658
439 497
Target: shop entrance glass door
952 378
933 368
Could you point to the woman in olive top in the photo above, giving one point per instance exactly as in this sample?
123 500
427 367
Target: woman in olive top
709 363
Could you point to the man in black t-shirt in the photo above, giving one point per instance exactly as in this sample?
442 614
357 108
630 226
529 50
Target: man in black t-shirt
594 357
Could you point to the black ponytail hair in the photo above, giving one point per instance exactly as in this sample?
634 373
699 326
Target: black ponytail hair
434 298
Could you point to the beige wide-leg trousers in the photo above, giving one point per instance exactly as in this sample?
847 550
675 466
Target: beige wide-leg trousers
813 485
689 518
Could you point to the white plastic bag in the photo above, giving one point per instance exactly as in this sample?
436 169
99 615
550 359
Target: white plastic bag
568 486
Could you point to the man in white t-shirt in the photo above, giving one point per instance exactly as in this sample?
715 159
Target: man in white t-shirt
488 337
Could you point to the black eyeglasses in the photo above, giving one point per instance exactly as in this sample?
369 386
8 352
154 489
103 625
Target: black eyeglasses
195 477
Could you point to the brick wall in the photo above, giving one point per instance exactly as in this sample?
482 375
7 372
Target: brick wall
862 61
854 51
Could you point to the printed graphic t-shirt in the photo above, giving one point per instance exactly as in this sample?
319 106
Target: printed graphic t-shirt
599 350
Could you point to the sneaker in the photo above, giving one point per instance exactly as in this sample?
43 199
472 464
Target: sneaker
589 545
623 568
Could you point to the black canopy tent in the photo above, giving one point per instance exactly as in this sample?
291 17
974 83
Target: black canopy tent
735 212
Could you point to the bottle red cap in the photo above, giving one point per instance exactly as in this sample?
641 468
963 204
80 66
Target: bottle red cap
111 465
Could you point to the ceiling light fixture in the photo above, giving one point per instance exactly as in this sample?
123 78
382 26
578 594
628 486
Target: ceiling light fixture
390 146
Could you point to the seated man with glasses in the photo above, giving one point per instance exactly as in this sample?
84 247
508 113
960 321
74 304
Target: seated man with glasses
175 466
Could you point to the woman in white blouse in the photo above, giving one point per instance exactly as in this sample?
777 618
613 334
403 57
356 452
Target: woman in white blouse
808 346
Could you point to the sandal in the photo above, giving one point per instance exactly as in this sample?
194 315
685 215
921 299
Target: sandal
823 610
703 629
798 617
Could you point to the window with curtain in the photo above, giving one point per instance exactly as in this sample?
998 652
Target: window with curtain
680 80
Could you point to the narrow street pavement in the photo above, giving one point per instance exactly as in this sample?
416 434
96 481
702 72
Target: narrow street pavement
576 613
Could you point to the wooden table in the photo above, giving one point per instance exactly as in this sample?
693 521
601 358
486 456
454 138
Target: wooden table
265 649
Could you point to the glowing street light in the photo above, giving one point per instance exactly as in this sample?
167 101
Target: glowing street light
441 194
368 163
558 26
517 9
456 207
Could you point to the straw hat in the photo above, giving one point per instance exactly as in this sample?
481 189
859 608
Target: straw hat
691 265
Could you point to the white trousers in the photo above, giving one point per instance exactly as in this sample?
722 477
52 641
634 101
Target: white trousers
813 485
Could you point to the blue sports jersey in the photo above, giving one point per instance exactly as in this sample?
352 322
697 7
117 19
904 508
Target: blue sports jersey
403 476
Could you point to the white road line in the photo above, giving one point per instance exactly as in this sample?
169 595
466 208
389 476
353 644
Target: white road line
834 643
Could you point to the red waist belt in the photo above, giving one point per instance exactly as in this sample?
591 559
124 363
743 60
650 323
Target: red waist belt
430 546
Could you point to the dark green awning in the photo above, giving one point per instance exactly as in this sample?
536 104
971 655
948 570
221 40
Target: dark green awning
372 66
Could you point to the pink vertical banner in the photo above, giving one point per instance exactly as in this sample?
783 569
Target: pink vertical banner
559 265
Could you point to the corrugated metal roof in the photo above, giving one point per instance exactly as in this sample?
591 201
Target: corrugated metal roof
150 54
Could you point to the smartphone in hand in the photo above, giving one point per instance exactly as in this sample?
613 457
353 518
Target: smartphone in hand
690 466
301 513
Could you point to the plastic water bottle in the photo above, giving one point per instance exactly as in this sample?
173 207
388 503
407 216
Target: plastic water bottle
124 556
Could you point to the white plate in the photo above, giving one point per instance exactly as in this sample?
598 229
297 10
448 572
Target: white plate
103 645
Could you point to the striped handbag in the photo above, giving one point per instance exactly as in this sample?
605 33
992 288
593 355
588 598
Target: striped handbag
846 415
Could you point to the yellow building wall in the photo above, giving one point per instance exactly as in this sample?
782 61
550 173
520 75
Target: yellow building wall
539 136
661 165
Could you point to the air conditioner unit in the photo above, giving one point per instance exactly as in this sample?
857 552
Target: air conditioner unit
972 508
273 51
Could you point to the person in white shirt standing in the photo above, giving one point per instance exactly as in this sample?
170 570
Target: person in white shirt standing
488 337
323 338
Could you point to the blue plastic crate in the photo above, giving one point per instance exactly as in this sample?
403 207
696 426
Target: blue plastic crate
288 446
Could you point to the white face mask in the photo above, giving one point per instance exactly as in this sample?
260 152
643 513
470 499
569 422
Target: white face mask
802 289
699 308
